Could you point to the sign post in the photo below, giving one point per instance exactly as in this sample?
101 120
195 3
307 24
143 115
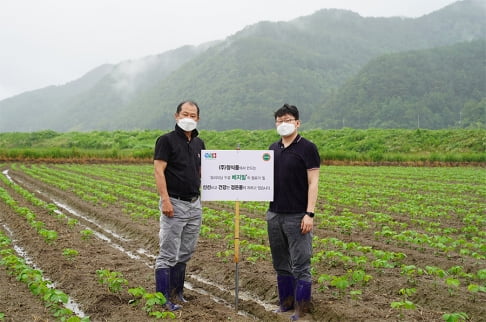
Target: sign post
237 251
237 175
237 247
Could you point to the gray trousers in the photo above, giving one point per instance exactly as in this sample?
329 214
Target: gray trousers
178 235
291 250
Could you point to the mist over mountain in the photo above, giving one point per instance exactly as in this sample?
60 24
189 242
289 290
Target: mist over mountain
322 63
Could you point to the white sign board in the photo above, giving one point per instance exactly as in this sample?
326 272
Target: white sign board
237 175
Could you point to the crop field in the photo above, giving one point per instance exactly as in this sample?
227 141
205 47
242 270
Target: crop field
78 243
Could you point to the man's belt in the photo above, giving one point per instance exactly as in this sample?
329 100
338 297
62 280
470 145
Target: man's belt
187 199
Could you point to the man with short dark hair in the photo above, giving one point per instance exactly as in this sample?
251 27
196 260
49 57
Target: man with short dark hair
290 217
177 164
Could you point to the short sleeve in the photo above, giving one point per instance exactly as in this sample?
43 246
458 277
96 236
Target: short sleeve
312 158
162 148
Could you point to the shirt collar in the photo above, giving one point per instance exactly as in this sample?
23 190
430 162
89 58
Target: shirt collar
180 131
295 141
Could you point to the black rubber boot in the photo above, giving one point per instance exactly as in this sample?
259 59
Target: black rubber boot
302 299
179 279
162 285
286 291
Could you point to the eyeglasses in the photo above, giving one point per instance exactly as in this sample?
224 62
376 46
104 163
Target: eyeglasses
284 121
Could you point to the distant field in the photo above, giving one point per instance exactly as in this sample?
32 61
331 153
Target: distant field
347 145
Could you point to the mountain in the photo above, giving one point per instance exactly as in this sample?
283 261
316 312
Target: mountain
240 81
38 109
90 102
434 88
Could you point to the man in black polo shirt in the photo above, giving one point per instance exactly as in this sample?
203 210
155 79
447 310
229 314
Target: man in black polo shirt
290 217
177 163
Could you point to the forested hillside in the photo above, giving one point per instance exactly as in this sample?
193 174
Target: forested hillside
242 79
437 88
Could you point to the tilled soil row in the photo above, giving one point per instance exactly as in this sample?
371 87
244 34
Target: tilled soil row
78 278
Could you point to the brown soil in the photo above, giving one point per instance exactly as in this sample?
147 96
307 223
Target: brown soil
78 277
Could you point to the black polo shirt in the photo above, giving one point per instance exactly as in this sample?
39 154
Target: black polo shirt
290 174
183 157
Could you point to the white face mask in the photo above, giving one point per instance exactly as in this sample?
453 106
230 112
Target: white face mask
187 124
285 129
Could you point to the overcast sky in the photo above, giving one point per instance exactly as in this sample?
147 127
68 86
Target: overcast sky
52 42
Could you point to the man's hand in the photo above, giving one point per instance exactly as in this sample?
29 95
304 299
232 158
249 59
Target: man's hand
167 208
306 224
